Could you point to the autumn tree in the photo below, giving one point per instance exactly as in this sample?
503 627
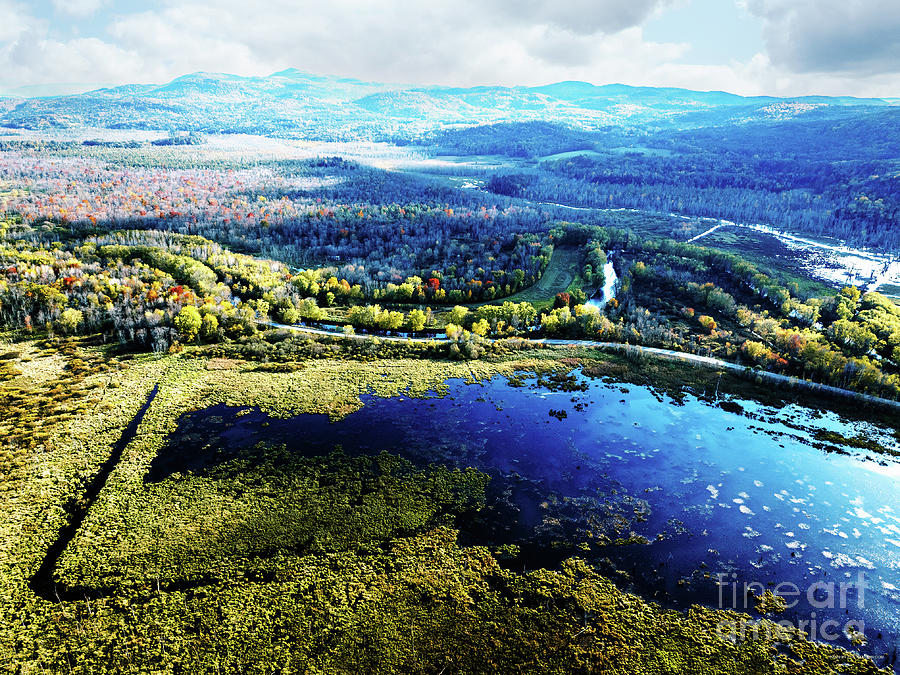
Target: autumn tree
415 320
708 323
188 323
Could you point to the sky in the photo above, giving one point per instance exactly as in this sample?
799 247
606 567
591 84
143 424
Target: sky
750 47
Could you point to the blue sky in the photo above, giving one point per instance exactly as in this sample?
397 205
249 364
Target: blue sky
781 47
716 30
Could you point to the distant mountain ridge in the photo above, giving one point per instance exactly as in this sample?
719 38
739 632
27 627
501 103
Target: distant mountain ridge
292 102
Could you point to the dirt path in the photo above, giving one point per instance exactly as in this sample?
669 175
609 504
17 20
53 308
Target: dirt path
707 361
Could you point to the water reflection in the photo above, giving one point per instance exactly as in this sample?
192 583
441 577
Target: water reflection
678 497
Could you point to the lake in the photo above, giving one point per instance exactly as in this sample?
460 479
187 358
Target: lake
680 501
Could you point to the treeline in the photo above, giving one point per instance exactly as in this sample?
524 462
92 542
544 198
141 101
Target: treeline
153 290
132 294
517 139
706 301
179 139
866 212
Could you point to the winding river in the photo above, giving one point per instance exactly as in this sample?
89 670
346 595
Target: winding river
832 261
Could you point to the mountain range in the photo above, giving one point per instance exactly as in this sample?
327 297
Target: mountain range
299 104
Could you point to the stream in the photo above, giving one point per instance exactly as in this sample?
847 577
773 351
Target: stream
608 292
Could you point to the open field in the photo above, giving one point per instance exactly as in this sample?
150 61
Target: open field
770 254
561 273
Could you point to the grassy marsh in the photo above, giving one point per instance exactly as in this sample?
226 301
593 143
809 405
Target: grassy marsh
333 565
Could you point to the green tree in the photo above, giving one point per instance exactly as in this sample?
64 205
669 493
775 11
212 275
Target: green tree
458 315
188 323
70 320
308 309
388 320
404 291
415 320
755 351
288 315
209 327
481 327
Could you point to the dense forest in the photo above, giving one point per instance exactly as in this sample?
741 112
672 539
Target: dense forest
817 176
523 139
323 212
155 289
155 256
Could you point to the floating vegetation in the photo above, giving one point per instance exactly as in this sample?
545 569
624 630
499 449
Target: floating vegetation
861 442
731 406
770 604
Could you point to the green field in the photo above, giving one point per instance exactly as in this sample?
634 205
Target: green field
562 274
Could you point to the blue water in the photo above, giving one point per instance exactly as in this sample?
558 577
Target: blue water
744 497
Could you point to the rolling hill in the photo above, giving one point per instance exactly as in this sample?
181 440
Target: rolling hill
295 103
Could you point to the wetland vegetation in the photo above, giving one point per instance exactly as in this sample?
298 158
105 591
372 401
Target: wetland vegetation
270 406
269 550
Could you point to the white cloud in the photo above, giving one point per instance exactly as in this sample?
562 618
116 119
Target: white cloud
79 60
16 21
465 42
831 36
453 42
583 17
79 8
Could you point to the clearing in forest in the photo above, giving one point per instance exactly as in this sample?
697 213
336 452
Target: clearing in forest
561 271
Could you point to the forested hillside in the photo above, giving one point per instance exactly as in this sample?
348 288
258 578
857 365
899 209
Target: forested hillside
819 165
832 176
